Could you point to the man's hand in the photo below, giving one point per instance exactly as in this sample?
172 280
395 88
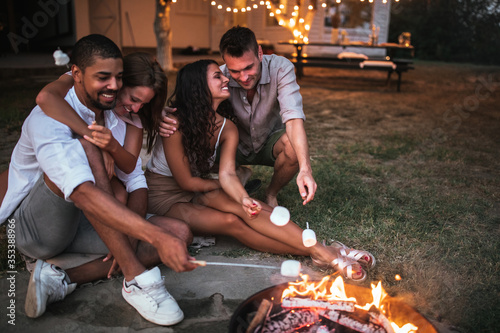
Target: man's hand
167 125
307 186
115 268
173 253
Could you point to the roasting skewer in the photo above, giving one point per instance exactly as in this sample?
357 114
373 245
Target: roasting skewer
288 267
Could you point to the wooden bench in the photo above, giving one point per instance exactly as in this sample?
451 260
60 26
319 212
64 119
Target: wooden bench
399 66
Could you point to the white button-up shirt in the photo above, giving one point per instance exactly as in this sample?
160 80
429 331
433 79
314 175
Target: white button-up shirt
50 147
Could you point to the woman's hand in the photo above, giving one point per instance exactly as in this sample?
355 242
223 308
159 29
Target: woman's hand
251 206
102 138
109 164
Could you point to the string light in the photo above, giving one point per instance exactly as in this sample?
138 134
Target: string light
300 20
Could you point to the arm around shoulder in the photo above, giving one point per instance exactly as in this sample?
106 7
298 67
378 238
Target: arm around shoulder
51 101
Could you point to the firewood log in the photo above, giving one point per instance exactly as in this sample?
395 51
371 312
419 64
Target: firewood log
290 321
294 302
262 312
346 320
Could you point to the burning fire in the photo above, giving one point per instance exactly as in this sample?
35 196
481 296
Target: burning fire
324 290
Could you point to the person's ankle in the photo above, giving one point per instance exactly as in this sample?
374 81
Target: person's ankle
272 200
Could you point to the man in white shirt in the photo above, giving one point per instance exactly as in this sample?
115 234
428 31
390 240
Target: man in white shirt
58 184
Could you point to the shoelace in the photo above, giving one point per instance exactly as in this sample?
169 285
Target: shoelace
157 291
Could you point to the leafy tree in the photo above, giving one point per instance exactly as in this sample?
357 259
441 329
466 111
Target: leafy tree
450 30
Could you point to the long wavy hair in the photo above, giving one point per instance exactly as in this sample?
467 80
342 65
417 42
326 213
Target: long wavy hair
142 69
195 114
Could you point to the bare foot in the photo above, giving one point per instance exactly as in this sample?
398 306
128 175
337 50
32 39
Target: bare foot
271 200
243 174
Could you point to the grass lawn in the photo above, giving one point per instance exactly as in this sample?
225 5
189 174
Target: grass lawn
413 177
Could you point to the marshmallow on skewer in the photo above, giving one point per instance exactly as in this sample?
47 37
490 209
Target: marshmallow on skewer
290 268
280 216
308 237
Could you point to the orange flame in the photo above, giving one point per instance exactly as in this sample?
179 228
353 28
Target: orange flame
336 292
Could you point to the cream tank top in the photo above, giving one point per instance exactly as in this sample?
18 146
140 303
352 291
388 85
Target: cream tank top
158 163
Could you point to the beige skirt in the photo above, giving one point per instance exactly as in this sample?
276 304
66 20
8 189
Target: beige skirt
164 192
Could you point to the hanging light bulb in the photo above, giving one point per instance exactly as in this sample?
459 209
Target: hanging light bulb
271 14
278 11
295 7
323 5
235 10
255 6
282 6
213 3
219 7
310 7
281 22
296 33
228 9
307 27
301 20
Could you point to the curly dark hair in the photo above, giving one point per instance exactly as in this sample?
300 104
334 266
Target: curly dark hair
193 101
142 69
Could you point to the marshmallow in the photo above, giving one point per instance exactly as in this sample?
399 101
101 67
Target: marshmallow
308 237
280 216
290 268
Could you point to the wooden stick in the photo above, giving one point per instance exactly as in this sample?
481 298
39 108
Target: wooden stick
261 314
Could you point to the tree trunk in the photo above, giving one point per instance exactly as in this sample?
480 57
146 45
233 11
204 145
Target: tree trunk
163 34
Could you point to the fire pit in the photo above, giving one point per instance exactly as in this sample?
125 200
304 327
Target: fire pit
326 306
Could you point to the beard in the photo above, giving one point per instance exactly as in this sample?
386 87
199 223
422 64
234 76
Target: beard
101 106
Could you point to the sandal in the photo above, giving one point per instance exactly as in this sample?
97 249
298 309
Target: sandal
365 258
343 266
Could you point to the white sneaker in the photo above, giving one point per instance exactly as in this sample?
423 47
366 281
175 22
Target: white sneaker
151 299
48 284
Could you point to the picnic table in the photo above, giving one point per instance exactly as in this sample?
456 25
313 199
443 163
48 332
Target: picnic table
350 61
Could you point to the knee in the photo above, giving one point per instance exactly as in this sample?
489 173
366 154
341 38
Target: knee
39 250
232 222
184 232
